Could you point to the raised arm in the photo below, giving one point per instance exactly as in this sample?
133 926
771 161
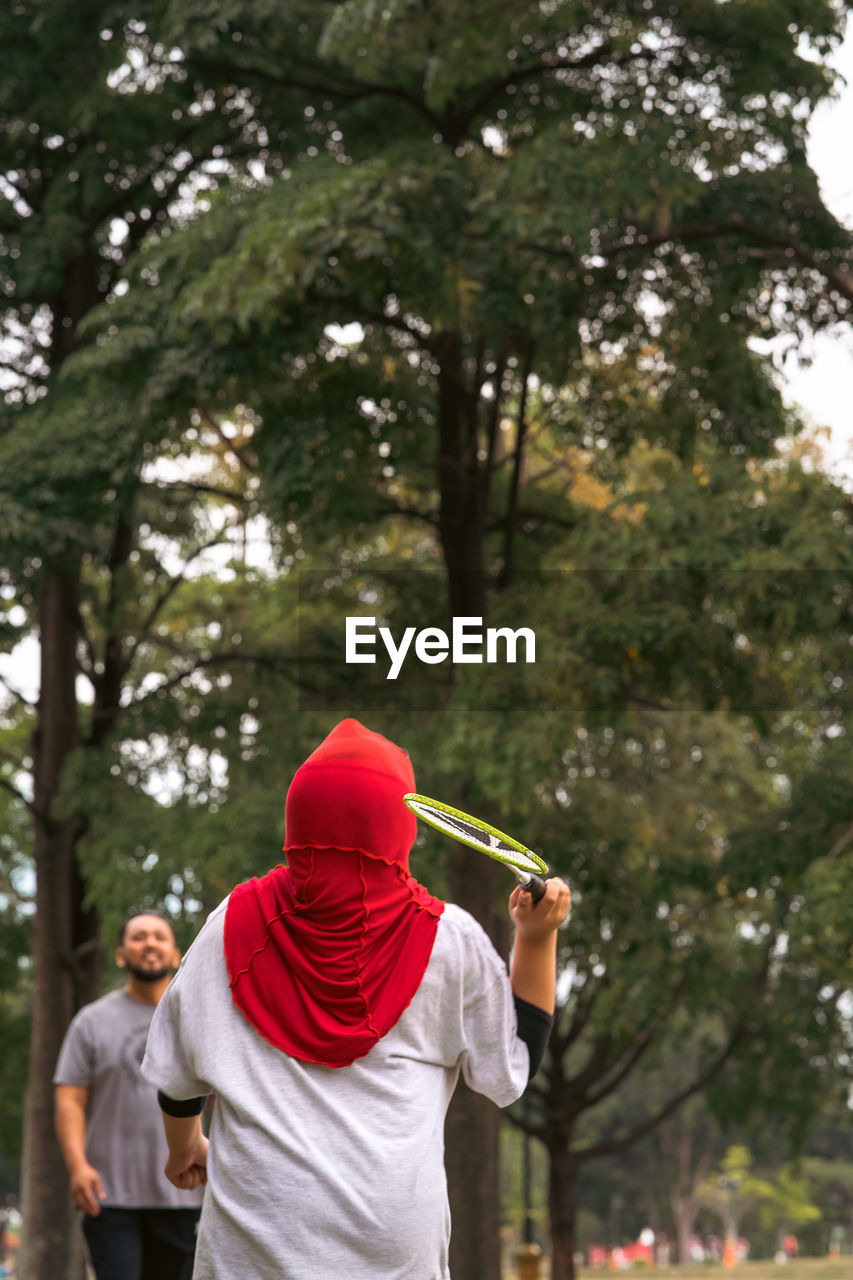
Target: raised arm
534 960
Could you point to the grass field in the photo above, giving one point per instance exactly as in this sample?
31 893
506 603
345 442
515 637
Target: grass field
767 1269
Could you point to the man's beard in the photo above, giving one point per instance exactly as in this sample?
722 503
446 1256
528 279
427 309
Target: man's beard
148 975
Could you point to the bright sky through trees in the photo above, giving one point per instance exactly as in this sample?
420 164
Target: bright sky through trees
823 388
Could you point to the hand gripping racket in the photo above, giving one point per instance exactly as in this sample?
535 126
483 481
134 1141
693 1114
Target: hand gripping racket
479 835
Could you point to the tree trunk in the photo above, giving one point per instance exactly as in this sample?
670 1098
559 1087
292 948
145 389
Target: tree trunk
66 954
460 484
684 1210
473 1123
472 1131
562 1171
682 1198
471 1136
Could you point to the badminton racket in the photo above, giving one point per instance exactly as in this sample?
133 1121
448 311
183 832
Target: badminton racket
525 864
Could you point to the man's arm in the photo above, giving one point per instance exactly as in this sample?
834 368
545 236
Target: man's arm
70 1102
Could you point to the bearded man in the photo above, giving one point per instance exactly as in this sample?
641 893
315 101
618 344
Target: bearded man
138 1226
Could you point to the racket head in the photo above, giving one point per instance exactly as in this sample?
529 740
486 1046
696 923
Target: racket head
475 833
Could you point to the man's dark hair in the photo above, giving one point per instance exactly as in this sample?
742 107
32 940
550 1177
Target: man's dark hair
145 912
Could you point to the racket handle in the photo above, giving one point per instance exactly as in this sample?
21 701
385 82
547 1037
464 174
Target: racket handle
534 885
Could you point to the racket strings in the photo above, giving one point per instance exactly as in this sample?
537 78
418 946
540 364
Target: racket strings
477 834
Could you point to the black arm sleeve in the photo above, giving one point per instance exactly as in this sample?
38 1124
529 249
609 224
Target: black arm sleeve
182 1108
534 1028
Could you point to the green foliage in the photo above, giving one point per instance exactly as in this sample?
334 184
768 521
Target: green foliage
733 1190
63 477
790 1206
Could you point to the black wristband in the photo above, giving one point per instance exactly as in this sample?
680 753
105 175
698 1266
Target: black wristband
534 1028
180 1107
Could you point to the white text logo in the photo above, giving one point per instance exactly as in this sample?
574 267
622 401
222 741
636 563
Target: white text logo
432 645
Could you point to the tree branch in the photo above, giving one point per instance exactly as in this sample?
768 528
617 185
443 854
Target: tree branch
492 429
108 680
156 166
701 1081
390 508
19 795
625 1059
230 445
641 1044
596 1065
87 668
842 281
841 843
195 486
520 1119
582 1014
515 481
162 600
542 517
368 316
282 667
520 74
16 694
347 88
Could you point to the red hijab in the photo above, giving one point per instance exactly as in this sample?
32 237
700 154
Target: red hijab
325 954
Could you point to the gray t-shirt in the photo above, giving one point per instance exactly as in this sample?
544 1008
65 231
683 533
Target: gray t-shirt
125 1141
317 1172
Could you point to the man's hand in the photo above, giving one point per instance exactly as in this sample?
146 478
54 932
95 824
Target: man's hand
87 1190
536 920
186 1169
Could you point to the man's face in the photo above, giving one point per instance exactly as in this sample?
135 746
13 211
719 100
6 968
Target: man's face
148 950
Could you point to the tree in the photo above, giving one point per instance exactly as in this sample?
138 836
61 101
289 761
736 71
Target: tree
104 137
688 910
653 1183
15 944
733 1190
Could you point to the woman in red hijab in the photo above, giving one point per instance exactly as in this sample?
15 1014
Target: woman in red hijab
326 953
330 1006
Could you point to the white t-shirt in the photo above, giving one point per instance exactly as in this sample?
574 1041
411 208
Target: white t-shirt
322 1173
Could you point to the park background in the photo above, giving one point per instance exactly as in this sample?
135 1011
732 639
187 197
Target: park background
416 311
